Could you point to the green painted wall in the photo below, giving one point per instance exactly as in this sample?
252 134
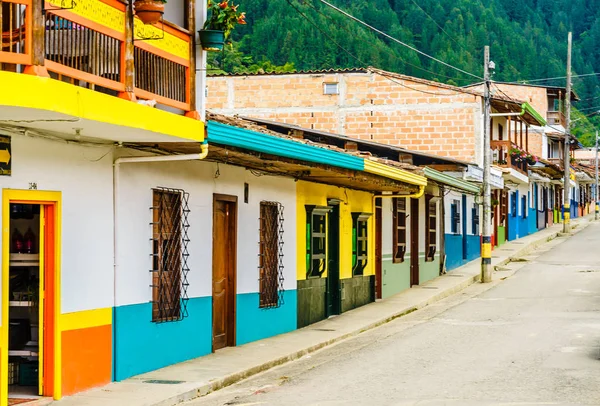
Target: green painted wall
428 270
501 236
395 277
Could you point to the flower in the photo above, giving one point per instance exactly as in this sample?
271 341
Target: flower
224 16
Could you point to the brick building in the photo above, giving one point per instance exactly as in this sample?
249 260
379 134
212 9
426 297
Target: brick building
365 104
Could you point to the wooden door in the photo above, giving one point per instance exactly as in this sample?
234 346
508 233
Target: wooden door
224 272
378 251
414 242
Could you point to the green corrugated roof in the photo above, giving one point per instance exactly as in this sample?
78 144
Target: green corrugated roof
528 108
451 181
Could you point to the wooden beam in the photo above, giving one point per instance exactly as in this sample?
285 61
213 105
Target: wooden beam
191 26
447 167
521 134
127 59
527 137
36 29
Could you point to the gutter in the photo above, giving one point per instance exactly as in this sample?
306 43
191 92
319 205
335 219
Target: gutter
116 174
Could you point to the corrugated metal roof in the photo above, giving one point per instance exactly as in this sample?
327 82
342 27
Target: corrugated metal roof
298 72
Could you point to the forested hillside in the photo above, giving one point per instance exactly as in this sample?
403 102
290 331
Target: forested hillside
528 38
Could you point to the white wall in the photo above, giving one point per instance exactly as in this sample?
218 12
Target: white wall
84 176
200 180
450 196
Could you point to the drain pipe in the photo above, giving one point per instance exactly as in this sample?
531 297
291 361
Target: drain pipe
417 195
116 174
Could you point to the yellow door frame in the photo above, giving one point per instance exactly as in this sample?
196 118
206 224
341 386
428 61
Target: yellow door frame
42 198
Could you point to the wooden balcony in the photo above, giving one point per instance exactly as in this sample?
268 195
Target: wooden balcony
557 118
96 44
503 158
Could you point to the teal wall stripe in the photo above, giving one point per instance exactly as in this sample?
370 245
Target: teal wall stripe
242 138
143 346
254 323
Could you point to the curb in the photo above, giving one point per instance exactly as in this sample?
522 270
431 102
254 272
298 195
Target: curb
239 376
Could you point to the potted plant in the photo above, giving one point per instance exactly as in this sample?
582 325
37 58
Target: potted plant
149 11
223 18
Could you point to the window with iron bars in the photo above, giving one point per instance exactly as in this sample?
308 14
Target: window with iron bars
271 255
399 229
169 254
360 243
475 217
316 240
431 241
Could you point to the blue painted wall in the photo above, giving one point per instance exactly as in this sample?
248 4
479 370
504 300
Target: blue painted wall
142 346
513 219
254 323
532 221
473 247
454 250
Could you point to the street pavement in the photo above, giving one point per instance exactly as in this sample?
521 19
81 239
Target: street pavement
529 338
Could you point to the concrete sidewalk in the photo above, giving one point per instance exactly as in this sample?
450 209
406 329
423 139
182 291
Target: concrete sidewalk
188 380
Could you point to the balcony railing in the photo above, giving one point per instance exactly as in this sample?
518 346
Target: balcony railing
92 43
556 118
502 156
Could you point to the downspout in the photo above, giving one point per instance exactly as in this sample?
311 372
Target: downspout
116 173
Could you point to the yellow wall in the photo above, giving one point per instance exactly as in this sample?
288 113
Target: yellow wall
352 201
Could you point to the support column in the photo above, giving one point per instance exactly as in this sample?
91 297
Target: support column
127 57
37 30
191 26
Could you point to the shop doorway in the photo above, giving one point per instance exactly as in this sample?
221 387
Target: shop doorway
29 289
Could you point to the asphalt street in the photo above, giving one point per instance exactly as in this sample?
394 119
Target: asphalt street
532 338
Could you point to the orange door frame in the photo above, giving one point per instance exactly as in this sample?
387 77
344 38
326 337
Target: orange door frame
50 203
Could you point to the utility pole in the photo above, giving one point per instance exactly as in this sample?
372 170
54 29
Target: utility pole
486 246
567 163
596 199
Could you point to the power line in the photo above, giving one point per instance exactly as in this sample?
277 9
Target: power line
389 52
554 78
357 58
397 40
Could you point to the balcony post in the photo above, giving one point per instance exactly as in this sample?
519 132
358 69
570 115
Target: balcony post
37 40
527 137
127 58
191 91
521 134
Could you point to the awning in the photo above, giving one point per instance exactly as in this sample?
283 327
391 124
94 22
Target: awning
446 179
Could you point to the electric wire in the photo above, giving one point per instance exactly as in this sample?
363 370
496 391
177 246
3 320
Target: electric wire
358 59
398 41
389 52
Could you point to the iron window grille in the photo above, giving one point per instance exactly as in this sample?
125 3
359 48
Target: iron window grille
399 229
431 228
524 206
360 243
170 240
475 216
316 240
271 255
455 217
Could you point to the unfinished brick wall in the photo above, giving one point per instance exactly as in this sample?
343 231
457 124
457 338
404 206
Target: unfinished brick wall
417 115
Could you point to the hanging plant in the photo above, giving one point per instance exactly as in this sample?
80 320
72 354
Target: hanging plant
149 11
222 19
